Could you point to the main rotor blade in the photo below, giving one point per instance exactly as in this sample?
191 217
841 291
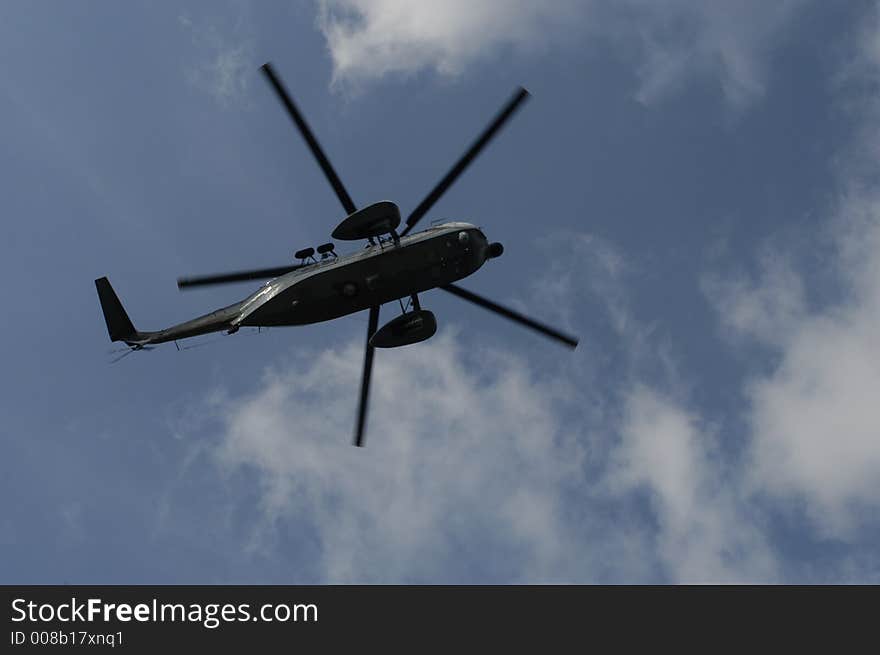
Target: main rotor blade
571 342
239 276
471 154
310 139
365 380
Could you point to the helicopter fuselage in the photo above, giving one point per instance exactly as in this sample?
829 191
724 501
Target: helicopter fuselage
338 286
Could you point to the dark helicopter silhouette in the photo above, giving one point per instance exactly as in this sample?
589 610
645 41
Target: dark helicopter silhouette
393 266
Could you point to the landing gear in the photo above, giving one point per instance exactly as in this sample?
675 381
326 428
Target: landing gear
413 303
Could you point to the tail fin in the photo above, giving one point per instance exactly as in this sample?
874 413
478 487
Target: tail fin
119 325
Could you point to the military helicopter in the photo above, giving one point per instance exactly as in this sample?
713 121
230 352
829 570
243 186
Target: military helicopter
392 266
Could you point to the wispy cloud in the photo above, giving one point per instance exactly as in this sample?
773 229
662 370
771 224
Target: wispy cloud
727 41
669 41
226 57
482 467
371 38
768 308
462 459
814 417
704 529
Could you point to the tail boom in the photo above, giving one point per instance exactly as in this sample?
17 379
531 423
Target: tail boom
120 327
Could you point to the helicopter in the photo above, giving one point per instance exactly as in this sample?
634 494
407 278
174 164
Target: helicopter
392 266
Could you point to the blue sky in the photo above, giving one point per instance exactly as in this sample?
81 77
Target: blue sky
692 189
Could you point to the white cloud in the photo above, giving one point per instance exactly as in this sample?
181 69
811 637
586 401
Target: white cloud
481 467
580 263
814 417
769 308
730 41
460 460
669 40
705 533
226 58
371 38
704 530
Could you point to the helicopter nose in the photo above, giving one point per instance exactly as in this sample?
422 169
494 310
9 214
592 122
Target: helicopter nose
494 250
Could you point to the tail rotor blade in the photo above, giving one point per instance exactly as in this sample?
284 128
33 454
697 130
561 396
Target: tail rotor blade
476 147
238 276
365 380
309 137
122 356
546 330
127 351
